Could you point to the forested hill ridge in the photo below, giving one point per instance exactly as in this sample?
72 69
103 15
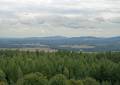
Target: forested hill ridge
59 68
60 42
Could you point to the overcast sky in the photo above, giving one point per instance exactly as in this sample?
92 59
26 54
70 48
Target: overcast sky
35 18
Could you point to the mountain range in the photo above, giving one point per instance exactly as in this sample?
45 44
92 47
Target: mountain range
65 43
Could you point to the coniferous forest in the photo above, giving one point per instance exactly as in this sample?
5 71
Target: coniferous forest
59 68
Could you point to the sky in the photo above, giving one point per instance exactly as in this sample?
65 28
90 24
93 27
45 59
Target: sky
39 18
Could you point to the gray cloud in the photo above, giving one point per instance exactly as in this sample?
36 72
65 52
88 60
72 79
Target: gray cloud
59 17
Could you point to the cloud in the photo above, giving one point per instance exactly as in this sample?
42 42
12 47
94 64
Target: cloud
59 17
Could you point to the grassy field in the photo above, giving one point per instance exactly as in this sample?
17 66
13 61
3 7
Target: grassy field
31 49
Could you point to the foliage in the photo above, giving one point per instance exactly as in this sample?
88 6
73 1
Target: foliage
91 81
59 79
59 68
33 79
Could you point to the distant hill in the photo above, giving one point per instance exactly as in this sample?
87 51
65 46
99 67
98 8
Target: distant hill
60 42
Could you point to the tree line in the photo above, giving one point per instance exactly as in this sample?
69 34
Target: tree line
59 68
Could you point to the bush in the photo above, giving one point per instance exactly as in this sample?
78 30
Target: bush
33 79
75 82
90 81
59 79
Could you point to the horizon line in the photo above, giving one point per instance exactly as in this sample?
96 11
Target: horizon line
61 36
